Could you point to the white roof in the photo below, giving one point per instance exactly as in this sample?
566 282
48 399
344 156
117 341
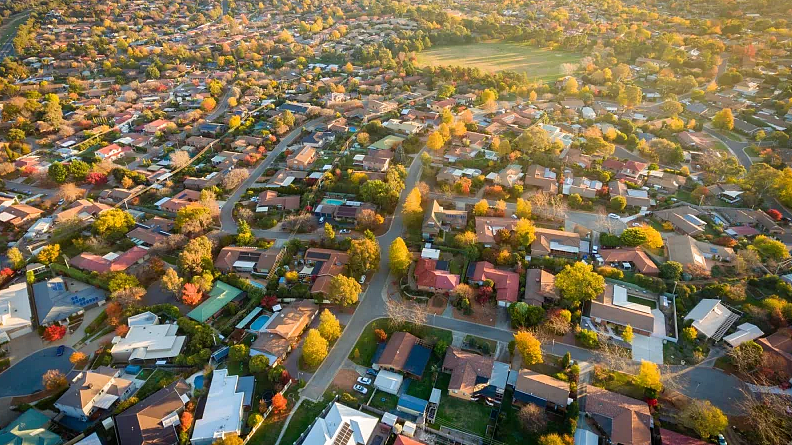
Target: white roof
341 426
708 316
244 264
144 319
433 254
14 307
149 342
389 382
745 332
223 411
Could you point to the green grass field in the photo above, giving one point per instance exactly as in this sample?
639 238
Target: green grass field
494 56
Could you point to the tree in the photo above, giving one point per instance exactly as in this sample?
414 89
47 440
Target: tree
121 281
77 357
579 282
723 119
58 172
244 234
239 353
329 327
171 281
208 104
329 233
413 212
671 108
259 364
364 255
703 418
314 349
234 178
529 347
618 203
344 290
278 403
128 296
523 209
435 141
192 219
649 376
671 270
633 236
689 334
747 356
191 295
232 439
524 315
69 192
49 254
481 208
771 249
185 420
627 335
254 419
653 238
399 256
524 232
179 159
122 330
532 418
16 258
54 379
368 219
113 224
554 439
196 253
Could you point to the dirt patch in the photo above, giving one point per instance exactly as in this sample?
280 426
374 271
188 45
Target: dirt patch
486 315
345 379
437 305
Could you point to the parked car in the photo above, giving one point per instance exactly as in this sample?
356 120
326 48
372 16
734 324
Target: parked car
722 440
60 351
371 372
613 216
362 279
361 389
364 380
344 231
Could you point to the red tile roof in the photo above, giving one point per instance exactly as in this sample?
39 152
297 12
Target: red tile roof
507 283
427 275
98 264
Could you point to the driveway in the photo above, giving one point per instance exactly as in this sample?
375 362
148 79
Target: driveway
25 377
647 348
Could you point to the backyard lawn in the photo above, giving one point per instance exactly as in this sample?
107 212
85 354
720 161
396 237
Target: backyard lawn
621 383
158 380
463 415
366 345
269 430
497 56
384 401
642 301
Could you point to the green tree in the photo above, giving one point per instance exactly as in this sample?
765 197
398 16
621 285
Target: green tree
16 258
58 172
364 255
529 347
329 326
703 418
121 281
244 234
579 282
79 169
399 257
771 249
152 72
314 349
671 270
618 203
523 315
239 353
259 364
254 419
747 356
633 236
344 290
723 119
113 224
49 254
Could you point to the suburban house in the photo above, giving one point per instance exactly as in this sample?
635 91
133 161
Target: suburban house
19 214
15 313
433 276
146 237
779 344
112 152
711 318
582 186
487 227
270 198
665 182
753 218
690 252
613 306
540 287
506 283
744 333
549 242
341 425
57 298
630 258
155 126
91 391
624 420
31 427
403 353
147 340
509 176
154 420
181 199
302 159
541 390
111 262
374 160
222 414
282 331
439 218
632 171
634 197
322 265
475 376
684 219
82 209
389 382
245 260
220 295
543 178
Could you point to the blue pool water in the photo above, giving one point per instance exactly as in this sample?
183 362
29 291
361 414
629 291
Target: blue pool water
256 284
198 382
333 202
259 323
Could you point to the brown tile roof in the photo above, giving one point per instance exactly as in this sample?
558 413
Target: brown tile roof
539 284
541 244
141 424
465 367
397 350
602 307
542 386
488 226
291 321
634 255
629 418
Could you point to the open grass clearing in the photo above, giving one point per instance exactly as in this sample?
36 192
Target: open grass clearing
642 301
499 56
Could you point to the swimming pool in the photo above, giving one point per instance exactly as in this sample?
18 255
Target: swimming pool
333 202
198 382
259 323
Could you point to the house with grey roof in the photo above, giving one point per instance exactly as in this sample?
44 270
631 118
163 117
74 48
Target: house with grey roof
58 298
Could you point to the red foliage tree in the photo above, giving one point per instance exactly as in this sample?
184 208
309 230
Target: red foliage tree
775 214
122 330
269 301
96 178
113 311
380 335
484 294
285 377
279 403
191 296
186 420
725 241
54 332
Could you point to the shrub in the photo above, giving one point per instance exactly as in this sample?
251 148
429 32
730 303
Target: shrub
610 272
587 338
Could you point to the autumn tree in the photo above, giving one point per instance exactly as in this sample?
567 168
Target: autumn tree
529 348
628 335
524 232
329 327
770 249
554 439
399 256
344 290
364 256
368 219
185 420
171 281
329 233
54 379
259 364
195 255
649 376
244 235
435 141
234 178
723 119
208 104
413 212
191 295
113 224
481 208
49 254
179 159
314 349
278 403
69 192
579 282
532 418
193 219
77 358
523 209
16 258
703 418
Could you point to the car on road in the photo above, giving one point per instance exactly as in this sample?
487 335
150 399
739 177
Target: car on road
613 216
362 279
722 440
61 349
371 372
60 203
364 380
344 231
361 389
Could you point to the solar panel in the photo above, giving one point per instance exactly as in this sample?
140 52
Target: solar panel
343 436
320 256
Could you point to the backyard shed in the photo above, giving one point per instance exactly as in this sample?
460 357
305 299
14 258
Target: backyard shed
388 382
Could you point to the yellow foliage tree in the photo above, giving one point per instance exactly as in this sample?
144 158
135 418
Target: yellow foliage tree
649 376
314 349
529 348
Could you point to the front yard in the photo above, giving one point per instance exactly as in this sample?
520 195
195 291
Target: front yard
366 346
617 382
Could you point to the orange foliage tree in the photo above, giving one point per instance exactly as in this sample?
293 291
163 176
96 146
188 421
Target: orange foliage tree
279 403
186 420
122 330
191 296
54 332
113 311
